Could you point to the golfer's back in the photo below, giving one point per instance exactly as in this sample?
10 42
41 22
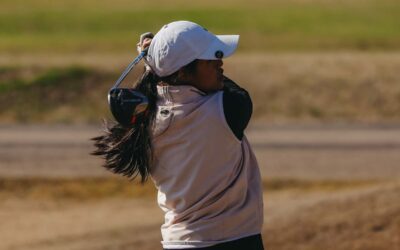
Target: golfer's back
208 180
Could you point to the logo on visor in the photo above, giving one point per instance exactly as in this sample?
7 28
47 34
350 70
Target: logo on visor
219 54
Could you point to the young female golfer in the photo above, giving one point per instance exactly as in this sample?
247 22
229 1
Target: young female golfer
190 142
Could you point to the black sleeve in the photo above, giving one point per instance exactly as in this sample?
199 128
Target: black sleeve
237 107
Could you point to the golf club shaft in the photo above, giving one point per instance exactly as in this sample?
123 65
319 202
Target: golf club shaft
130 67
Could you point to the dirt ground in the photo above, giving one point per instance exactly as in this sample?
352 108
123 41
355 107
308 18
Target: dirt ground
347 217
350 152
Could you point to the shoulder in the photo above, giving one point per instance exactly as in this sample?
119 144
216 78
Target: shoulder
237 106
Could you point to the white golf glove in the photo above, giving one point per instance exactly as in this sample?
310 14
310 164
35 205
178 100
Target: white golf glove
144 38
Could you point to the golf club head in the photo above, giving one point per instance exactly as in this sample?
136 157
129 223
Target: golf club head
125 104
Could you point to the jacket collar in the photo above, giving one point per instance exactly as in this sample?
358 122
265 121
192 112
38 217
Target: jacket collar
179 94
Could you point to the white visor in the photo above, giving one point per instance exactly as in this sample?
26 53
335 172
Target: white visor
181 42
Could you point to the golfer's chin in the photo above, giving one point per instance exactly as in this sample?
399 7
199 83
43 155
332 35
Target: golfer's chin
220 82
218 86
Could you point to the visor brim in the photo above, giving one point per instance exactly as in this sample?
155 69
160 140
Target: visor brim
227 44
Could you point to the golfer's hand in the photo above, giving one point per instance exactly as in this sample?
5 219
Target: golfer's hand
144 42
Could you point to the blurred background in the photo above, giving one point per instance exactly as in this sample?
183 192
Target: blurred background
325 83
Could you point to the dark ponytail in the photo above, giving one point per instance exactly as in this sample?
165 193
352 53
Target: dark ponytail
127 150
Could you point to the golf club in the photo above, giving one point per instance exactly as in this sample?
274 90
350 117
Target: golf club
126 103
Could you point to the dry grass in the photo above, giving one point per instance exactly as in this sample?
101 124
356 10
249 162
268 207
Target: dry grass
301 216
79 189
90 189
368 220
321 87
273 185
350 87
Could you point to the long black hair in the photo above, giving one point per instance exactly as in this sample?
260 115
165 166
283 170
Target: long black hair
127 150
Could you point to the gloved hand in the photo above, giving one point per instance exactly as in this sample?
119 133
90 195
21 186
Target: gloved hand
144 41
